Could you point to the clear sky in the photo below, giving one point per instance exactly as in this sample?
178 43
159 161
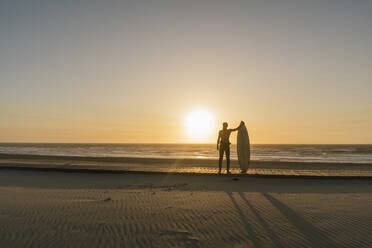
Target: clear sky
132 71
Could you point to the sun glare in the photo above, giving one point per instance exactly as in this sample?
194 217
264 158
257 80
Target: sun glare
199 125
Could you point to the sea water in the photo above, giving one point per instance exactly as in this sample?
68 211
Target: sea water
291 153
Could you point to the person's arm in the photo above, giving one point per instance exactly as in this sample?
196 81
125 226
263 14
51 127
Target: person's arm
236 129
218 139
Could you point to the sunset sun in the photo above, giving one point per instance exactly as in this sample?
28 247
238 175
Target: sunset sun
199 125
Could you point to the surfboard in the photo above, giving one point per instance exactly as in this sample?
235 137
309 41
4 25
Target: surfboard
243 148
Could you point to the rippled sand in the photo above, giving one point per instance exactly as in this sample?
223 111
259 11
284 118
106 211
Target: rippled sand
56 209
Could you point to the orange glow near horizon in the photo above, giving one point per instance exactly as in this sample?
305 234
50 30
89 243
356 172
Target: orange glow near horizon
174 71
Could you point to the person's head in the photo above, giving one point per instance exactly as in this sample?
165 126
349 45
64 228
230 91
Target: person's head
224 125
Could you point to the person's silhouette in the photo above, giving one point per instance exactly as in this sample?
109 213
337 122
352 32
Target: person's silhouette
223 145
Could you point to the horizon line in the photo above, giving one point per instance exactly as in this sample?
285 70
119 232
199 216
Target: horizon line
174 143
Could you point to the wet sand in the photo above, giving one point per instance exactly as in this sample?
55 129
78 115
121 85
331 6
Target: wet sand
57 209
182 166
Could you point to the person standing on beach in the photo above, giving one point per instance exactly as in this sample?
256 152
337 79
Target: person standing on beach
223 145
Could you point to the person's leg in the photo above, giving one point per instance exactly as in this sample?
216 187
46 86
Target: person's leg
220 159
227 151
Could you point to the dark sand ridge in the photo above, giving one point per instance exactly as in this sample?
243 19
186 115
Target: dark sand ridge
53 209
191 166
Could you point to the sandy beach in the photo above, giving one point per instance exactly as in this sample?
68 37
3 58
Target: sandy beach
171 124
181 166
58 209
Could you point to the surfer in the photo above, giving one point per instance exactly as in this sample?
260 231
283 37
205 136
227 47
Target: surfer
223 145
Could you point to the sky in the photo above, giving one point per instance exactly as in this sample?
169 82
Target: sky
132 71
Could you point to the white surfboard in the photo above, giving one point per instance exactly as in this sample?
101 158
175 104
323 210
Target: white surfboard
243 148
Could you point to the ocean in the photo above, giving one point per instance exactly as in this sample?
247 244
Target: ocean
260 152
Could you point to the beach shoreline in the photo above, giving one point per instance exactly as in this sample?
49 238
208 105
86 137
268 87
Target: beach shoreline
181 166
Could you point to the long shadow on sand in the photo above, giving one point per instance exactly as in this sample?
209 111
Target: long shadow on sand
245 221
272 235
312 234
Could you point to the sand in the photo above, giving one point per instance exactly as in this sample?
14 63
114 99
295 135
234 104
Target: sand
189 166
59 209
